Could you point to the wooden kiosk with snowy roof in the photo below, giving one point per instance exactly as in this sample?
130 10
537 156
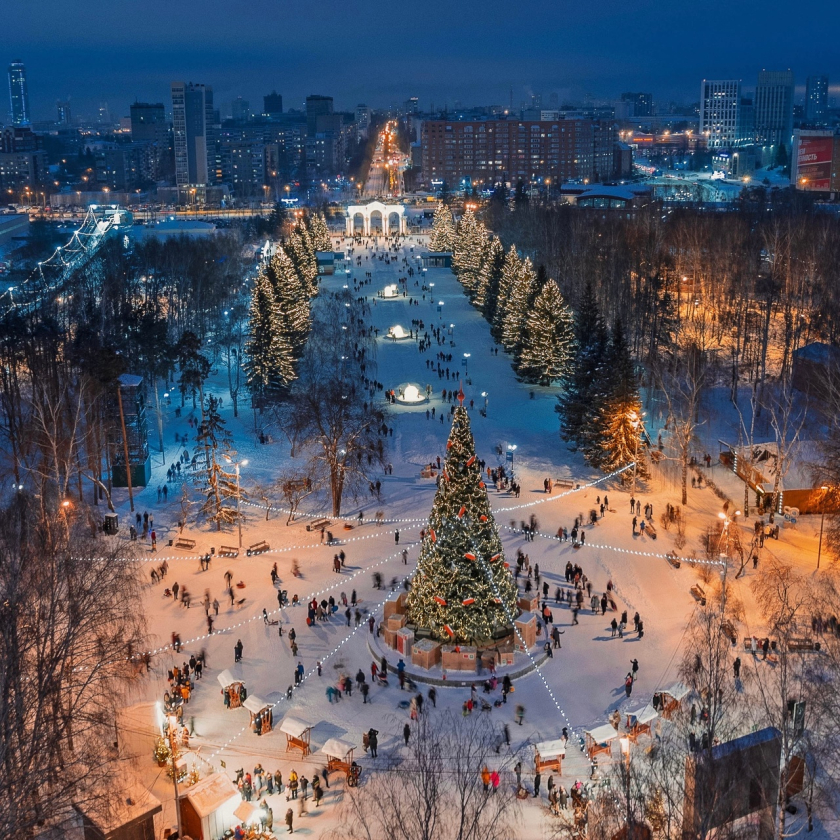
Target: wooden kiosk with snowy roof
599 740
549 755
298 734
262 718
207 808
233 689
638 722
340 756
672 698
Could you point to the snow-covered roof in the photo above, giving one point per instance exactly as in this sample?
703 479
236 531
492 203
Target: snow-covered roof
127 804
602 734
644 715
551 749
336 748
248 812
226 678
677 691
211 793
294 726
255 704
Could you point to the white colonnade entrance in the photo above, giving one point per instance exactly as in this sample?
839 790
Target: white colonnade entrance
386 211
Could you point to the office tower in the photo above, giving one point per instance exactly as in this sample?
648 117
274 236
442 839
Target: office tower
104 114
412 105
720 112
240 109
192 124
642 103
149 126
317 106
18 94
774 108
272 104
63 112
816 100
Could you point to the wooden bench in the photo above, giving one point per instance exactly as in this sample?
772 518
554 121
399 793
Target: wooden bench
566 483
699 593
650 530
258 548
183 542
317 524
672 558
228 551
803 643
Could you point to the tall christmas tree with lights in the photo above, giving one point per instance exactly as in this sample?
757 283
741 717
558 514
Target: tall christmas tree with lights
462 590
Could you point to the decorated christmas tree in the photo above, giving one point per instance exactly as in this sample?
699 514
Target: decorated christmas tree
463 590
442 237
510 271
470 245
517 308
270 358
487 286
319 232
292 294
301 252
549 338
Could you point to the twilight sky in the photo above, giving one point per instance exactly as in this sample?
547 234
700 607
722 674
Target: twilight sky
380 52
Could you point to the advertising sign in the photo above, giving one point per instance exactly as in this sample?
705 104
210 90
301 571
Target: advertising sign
813 163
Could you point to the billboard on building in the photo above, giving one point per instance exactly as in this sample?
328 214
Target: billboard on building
813 163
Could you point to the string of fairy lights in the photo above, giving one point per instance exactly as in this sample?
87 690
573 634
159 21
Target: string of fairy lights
278 610
314 670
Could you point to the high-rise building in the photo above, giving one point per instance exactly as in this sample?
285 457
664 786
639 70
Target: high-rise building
509 151
317 106
149 126
18 94
720 112
104 114
240 109
642 103
192 124
774 108
64 117
272 104
362 121
816 100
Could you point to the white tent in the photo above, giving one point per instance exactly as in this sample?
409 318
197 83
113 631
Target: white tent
225 678
551 749
644 715
602 734
256 704
294 726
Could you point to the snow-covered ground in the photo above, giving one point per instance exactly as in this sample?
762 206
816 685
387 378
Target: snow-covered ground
578 688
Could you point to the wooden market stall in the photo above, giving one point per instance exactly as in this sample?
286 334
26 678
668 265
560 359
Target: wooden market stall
549 755
233 689
638 722
248 813
262 717
298 734
340 757
671 699
207 808
599 740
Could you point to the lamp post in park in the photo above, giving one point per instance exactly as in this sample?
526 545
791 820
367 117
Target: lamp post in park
824 489
485 395
237 465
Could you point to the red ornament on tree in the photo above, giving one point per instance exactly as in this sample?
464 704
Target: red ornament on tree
467 601
469 555
441 601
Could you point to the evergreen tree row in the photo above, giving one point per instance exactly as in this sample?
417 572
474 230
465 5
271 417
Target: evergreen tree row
525 309
279 319
600 407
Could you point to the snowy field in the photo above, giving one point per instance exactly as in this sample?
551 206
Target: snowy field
578 688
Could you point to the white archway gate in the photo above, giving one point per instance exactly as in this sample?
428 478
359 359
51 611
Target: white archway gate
385 210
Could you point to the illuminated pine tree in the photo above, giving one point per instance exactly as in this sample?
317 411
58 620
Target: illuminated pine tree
510 271
516 310
269 364
319 232
442 237
487 284
549 338
470 244
462 590
292 298
301 252
617 420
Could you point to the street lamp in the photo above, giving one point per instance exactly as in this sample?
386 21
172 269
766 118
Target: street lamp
635 420
237 465
467 365
824 489
510 450
485 395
